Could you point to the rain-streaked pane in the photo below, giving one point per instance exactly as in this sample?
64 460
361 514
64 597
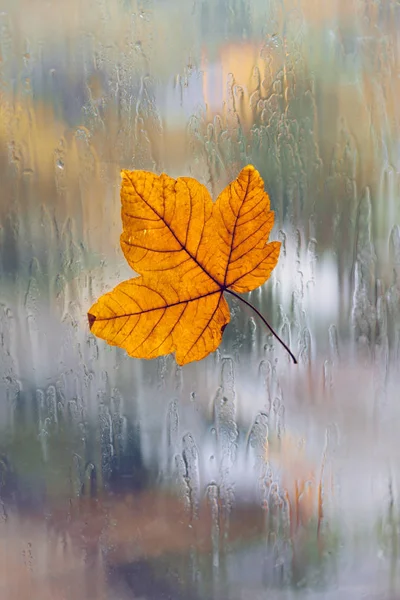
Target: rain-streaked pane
242 476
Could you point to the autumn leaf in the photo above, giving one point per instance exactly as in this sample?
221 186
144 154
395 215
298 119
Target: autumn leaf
188 252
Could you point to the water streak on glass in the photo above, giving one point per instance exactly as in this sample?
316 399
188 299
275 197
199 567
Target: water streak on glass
242 476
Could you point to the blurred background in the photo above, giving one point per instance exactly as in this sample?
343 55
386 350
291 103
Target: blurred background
242 476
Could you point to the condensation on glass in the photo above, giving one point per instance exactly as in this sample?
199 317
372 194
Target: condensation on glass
242 476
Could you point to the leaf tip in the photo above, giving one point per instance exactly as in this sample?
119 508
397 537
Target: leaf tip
250 171
91 319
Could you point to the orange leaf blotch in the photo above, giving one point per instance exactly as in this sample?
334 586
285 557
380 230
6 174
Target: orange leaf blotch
188 251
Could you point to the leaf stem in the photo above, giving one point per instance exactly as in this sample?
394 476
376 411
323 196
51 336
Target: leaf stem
265 323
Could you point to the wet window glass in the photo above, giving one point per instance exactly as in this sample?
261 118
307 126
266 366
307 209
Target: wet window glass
243 475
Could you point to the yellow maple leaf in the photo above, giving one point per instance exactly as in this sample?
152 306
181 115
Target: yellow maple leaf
188 252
